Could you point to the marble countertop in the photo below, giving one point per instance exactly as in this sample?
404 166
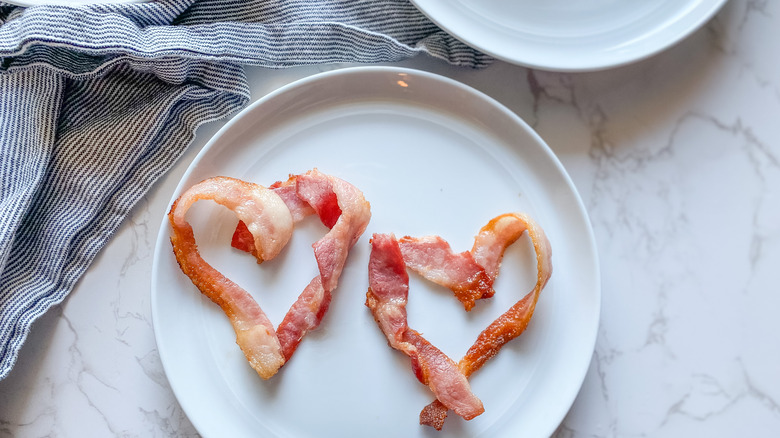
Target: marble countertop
677 159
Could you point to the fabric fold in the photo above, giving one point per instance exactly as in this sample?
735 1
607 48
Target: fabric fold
98 102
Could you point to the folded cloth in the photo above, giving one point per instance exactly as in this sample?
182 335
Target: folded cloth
97 102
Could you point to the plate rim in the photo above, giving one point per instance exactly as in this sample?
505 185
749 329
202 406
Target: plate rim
714 7
163 234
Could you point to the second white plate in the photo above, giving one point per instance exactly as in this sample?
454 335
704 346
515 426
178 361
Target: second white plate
432 156
565 35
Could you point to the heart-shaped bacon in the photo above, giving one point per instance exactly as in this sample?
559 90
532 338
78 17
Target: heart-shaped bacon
434 260
266 217
386 297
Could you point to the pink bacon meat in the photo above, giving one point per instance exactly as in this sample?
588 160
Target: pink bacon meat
386 297
432 257
266 218
488 250
342 208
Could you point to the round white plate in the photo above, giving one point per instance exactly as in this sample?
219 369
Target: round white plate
432 156
566 35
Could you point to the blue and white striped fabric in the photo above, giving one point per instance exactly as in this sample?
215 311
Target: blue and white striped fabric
97 102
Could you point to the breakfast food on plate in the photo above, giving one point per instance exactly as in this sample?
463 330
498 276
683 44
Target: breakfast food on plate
432 257
387 297
267 217
434 260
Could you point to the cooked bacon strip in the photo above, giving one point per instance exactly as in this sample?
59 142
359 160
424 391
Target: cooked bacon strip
304 315
265 213
288 191
502 232
442 376
494 238
388 288
339 205
242 237
386 297
316 190
432 257
354 212
488 249
342 208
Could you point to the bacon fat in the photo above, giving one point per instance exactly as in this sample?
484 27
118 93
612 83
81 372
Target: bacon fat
488 250
387 297
266 218
432 257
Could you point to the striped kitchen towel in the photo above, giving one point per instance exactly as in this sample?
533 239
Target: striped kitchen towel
97 102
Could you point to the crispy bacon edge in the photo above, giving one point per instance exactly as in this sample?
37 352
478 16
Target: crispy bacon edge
263 211
433 258
489 247
387 297
341 207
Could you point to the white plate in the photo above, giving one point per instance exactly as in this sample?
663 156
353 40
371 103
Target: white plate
566 35
432 156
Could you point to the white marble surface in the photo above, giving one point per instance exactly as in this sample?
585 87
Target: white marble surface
678 161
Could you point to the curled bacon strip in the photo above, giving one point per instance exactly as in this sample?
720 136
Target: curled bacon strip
266 220
386 297
432 257
262 211
488 250
342 208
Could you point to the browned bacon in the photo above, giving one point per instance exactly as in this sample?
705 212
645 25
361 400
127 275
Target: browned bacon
330 196
339 205
261 210
488 250
432 257
342 208
387 297
266 221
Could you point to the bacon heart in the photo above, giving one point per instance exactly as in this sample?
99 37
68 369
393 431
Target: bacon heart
470 275
266 221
